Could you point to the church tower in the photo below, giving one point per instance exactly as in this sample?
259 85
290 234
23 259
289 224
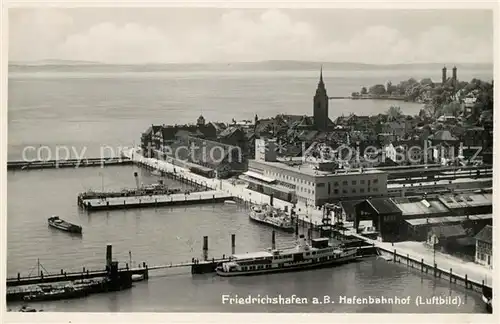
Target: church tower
321 105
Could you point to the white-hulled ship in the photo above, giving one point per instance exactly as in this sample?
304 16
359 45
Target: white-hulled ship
300 257
265 214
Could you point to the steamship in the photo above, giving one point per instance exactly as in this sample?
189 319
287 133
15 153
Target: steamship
265 214
301 257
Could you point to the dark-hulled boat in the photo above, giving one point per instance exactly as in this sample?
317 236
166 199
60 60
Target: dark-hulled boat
487 298
63 225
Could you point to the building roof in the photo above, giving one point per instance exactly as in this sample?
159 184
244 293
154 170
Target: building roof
446 220
349 206
466 241
228 132
310 170
210 153
443 135
411 207
259 176
384 206
218 126
485 235
448 231
464 200
251 255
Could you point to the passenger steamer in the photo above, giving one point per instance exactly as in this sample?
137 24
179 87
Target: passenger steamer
301 257
265 214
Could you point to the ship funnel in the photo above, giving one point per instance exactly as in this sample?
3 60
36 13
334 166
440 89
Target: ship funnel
136 176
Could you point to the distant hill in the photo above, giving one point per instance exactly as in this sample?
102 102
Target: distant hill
51 62
277 65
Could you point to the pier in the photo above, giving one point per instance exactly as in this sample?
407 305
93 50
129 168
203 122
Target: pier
203 197
206 265
70 163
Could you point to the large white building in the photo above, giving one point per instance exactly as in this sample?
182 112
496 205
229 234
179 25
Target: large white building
310 181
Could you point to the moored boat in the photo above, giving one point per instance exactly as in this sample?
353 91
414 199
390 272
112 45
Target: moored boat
487 298
265 214
301 257
58 223
145 190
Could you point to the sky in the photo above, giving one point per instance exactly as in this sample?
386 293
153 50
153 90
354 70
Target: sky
205 35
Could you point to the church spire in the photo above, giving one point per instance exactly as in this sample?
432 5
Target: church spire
321 74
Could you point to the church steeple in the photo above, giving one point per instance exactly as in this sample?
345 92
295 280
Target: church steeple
321 104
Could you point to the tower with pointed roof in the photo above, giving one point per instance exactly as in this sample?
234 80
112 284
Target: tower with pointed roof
200 121
444 77
320 102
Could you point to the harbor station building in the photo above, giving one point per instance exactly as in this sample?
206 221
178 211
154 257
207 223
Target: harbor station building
311 181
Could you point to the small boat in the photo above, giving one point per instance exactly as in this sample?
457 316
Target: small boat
265 214
58 223
300 257
229 202
56 293
156 172
137 277
27 309
487 297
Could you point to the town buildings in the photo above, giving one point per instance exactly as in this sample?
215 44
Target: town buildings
484 246
309 180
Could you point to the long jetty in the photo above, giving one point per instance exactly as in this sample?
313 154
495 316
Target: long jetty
203 197
206 265
69 163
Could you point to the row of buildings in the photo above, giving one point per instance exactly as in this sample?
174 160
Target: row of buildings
397 140
302 159
456 224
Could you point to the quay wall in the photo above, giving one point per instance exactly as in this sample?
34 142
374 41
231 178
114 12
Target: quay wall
438 272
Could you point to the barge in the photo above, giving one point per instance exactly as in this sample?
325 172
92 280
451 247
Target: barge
300 257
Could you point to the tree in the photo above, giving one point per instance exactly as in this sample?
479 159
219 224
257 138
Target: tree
364 91
394 112
378 89
452 109
390 88
426 81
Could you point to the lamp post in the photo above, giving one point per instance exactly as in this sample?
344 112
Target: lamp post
434 242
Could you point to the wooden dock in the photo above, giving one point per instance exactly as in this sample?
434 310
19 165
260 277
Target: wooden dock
51 278
197 266
203 197
70 163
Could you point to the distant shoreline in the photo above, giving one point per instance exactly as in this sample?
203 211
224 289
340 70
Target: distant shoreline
371 97
268 65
